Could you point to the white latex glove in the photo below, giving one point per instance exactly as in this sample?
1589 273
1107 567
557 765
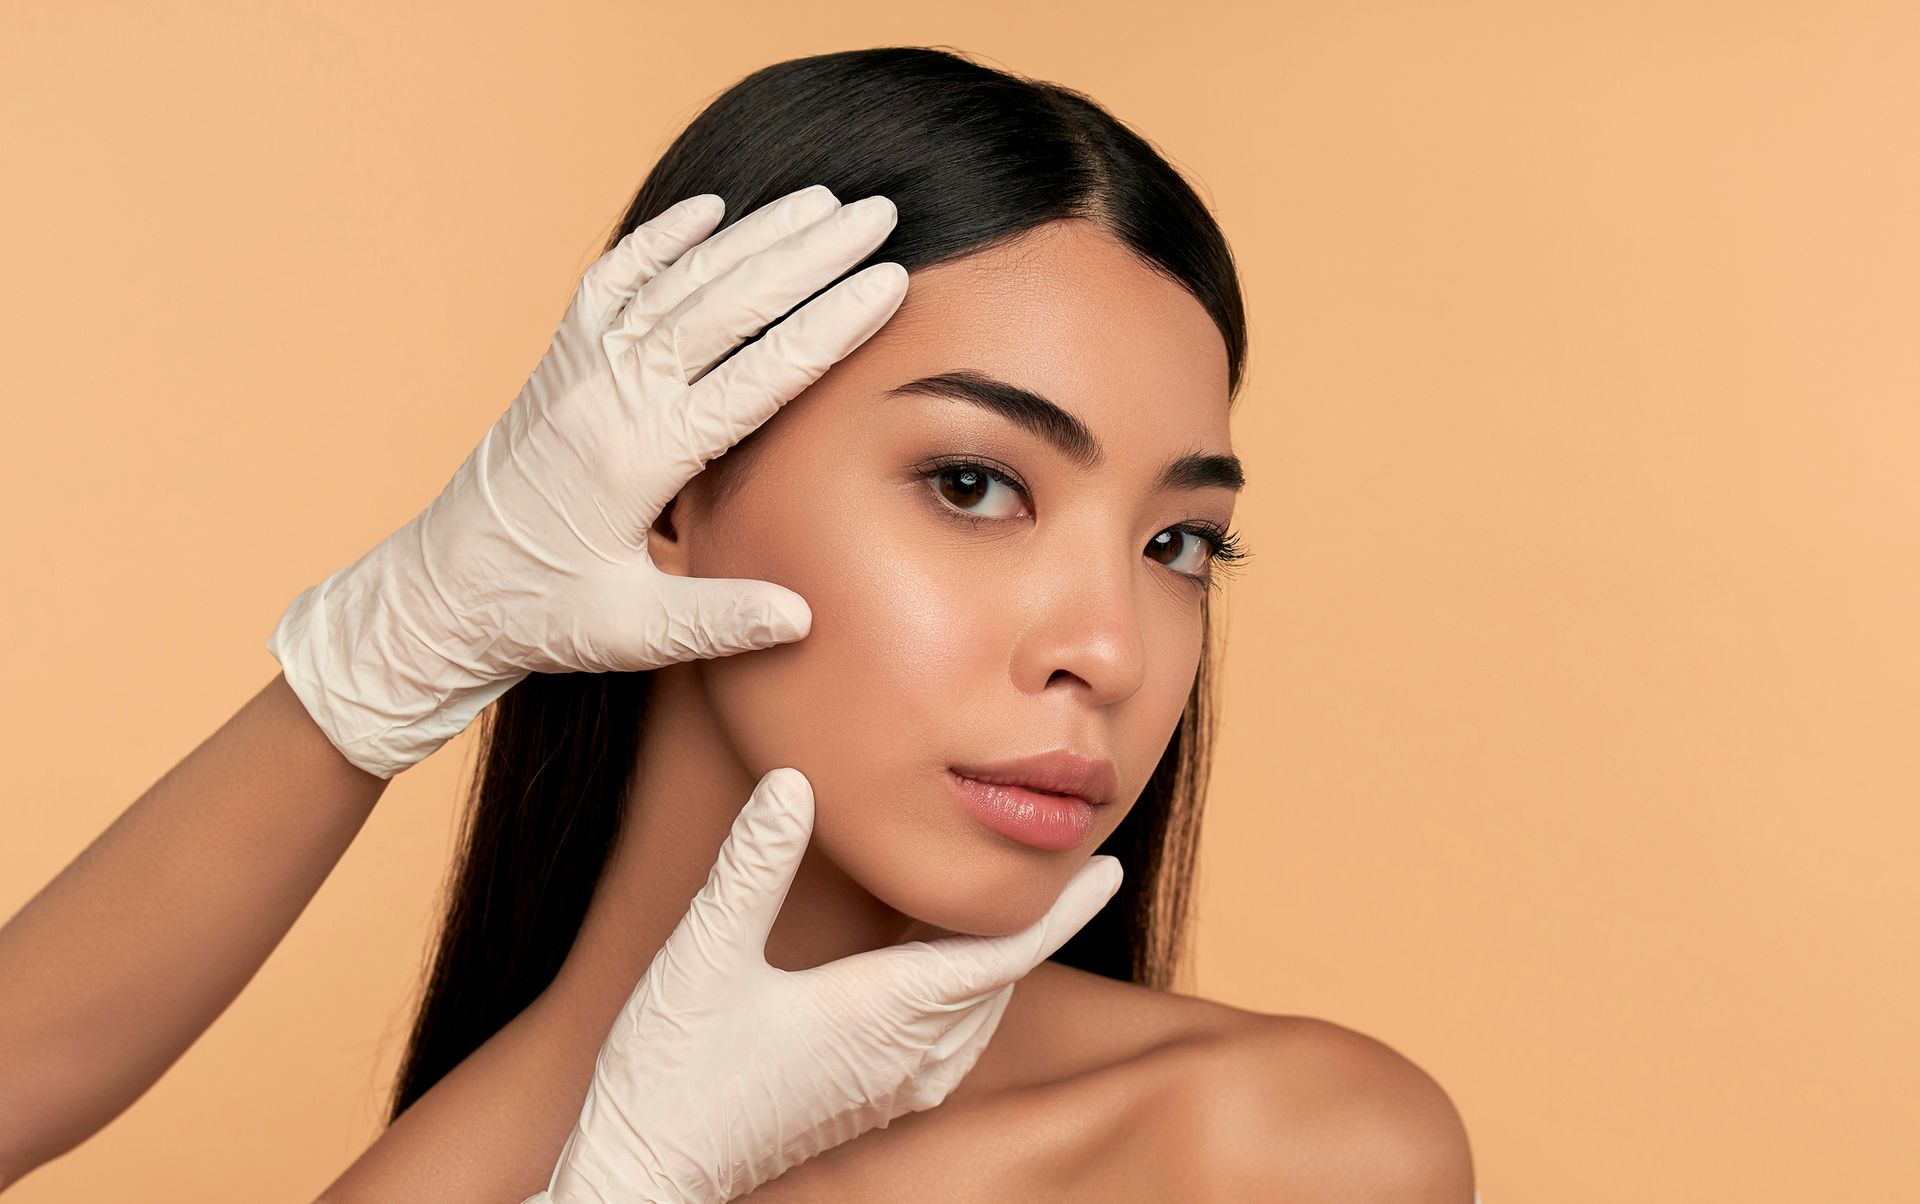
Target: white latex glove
534 556
721 1071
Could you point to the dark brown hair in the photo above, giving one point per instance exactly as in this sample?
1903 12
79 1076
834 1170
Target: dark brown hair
971 157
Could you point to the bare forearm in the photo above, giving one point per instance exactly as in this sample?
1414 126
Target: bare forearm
124 959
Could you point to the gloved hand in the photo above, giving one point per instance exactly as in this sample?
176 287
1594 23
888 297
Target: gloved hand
722 1072
534 556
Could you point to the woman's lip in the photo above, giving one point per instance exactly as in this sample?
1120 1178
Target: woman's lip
1057 771
1056 822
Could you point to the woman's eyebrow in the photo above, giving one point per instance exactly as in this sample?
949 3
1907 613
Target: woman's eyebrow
1030 411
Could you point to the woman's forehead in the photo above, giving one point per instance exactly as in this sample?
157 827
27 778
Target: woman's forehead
1070 314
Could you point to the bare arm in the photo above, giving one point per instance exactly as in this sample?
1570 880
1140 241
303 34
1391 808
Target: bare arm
123 960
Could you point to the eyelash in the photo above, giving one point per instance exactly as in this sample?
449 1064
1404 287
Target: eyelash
1224 549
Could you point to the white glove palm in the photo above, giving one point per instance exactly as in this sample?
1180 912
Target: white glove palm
722 1071
534 556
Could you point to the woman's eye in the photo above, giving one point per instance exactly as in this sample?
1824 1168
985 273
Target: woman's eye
1166 548
966 486
968 489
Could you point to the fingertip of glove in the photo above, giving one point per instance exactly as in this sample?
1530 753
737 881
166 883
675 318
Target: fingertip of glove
887 278
793 626
791 622
786 784
788 804
785 774
707 206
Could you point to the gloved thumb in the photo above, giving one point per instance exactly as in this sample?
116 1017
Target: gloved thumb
973 967
729 919
707 617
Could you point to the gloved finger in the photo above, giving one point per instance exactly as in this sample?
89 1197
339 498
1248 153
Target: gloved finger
975 1025
967 967
730 918
710 617
731 402
751 294
953 1055
741 394
612 280
750 235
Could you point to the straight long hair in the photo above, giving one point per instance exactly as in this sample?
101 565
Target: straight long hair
972 157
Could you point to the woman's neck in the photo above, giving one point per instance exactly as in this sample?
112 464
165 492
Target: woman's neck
687 787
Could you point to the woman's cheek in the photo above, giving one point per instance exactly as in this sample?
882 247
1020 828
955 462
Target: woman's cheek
899 630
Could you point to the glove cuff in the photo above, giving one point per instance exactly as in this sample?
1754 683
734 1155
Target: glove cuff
384 696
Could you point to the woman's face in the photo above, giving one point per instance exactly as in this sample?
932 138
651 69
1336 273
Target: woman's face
956 621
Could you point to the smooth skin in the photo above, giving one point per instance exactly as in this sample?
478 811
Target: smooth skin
116 967
723 1072
1092 1086
936 639
124 959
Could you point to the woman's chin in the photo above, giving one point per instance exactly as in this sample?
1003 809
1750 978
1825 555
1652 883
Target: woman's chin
933 861
977 899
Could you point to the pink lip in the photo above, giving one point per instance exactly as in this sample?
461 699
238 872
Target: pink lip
1060 771
1058 822
1046 801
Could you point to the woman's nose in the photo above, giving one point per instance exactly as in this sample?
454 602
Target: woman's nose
1082 630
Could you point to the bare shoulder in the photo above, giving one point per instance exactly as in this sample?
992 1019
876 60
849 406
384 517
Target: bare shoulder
1210 1101
1303 1109
1095 1089
1074 1101
1063 1021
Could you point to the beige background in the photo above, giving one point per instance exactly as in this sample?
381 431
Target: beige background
1571 698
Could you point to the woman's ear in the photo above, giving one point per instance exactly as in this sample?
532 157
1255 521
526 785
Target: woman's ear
675 535
667 545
